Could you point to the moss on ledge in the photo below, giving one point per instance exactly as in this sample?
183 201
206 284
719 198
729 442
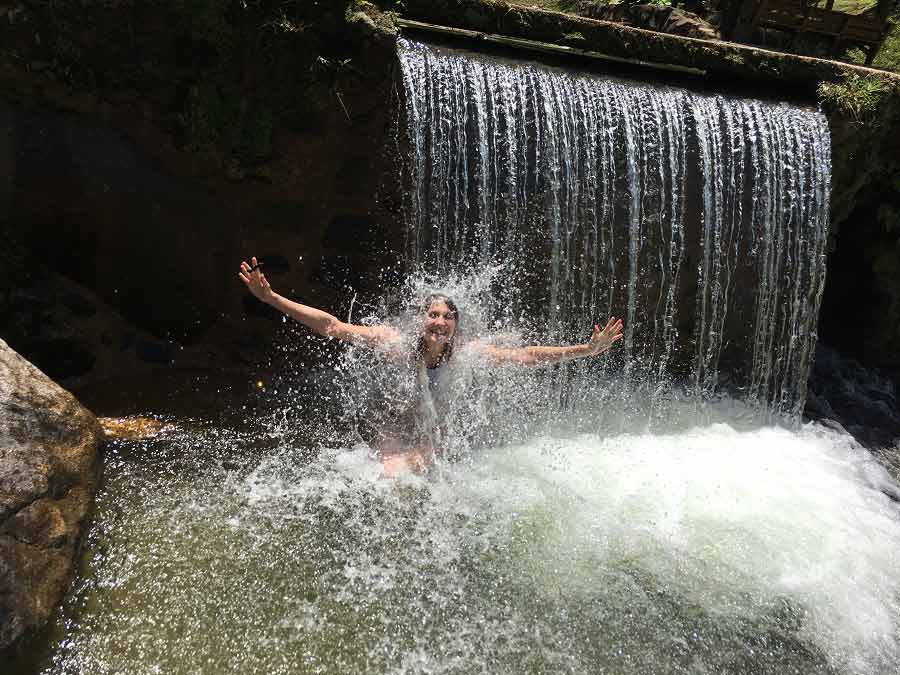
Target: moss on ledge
857 97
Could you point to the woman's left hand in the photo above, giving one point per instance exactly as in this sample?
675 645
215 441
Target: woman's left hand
255 280
603 339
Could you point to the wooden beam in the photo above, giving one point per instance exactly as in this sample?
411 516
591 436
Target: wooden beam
547 47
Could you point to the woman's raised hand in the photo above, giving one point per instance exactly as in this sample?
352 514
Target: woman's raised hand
255 280
603 339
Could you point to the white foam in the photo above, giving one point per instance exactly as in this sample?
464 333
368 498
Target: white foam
731 521
705 548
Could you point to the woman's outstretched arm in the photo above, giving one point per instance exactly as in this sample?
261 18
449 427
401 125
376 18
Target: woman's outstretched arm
317 320
601 340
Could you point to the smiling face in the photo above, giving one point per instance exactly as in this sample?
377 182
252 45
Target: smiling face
439 327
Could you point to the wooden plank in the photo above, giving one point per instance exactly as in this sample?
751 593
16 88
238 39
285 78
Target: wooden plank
533 45
783 14
824 21
864 29
792 15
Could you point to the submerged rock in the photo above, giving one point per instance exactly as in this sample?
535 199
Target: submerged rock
49 469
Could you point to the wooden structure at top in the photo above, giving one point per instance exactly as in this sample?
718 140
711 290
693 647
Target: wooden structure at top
846 30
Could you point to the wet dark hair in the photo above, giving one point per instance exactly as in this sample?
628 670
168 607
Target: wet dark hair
429 300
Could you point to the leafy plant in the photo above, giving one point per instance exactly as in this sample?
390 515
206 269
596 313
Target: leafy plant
857 96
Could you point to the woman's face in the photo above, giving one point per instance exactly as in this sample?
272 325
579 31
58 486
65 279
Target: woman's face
440 325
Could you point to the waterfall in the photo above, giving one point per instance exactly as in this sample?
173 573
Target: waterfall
700 219
257 533
559 530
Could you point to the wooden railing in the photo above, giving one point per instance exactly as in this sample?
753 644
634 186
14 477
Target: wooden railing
847 30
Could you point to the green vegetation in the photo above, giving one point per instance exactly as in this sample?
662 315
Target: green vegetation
857 97
214 114
570 6
270 63
853 6
217 119
378 19
221 76
889 54
207 22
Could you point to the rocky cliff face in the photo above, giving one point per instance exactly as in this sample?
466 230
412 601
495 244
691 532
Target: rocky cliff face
148 147
49 469
860 313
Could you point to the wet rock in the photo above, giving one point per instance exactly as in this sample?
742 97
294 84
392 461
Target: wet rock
355 167
49 469
344 272
862 401
354 234
126 341
116 222
834 425
78 304
259 310
282 217
77 348
154 352
62 357
275 263
132 428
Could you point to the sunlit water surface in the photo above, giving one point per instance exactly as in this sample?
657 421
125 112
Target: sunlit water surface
719 546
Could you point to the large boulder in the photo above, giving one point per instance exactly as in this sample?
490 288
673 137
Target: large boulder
49 470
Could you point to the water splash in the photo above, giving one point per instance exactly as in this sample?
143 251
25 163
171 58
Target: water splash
708 549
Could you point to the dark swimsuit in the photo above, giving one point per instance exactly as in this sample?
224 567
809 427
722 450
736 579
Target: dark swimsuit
407 429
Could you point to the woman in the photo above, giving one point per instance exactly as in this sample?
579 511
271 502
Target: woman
432 351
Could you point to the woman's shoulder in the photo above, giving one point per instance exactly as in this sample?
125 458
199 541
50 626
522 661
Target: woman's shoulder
392 343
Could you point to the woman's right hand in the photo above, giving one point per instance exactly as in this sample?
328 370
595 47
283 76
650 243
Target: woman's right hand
255 280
